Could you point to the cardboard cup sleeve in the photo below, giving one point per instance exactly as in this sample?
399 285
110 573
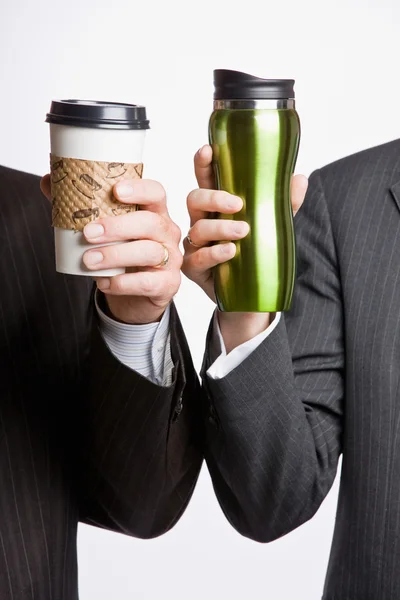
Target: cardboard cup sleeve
82 190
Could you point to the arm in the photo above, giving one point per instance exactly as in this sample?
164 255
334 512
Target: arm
223 363
141 443
274 433
137 443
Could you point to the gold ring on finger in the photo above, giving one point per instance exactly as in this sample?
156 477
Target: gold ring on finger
191 242
165 260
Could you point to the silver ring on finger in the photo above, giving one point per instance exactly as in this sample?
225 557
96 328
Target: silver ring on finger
165 260
191 242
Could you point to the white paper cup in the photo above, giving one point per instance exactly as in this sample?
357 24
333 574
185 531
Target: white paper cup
92 131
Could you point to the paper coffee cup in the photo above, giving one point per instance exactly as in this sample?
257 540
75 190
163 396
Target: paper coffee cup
93 146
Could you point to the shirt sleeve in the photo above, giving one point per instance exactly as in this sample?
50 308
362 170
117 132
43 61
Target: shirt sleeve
145 349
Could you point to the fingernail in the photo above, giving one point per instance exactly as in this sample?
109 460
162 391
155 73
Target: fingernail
234 203
92 258
199 150
103 283
93 230
227 249
124 190
241 228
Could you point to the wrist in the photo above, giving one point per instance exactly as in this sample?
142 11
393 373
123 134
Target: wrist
238 328
122 312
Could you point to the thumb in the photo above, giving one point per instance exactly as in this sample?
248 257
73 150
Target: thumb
45 186
203 168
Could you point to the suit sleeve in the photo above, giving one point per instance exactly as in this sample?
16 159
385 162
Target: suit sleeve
273 432
141 442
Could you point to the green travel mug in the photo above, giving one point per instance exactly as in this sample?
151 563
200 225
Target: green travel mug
254 131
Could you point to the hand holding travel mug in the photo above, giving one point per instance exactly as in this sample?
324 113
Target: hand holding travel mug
93 146
254 131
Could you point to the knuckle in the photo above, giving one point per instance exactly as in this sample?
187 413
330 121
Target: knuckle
162 194
215 197
226 228
224 198
115 227
111 254
191 199
147 284
179 260
170 286
162 285
118 284
217 254
152 253
176 233
153 221
204 231
157 191
163 225
175 283
158 253
194 230
199 230
197 260
219 198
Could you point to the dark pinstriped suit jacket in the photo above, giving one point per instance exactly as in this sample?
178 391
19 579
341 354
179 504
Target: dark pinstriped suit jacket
81 436
326 382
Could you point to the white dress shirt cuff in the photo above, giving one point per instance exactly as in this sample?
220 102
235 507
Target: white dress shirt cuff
142 348
225 363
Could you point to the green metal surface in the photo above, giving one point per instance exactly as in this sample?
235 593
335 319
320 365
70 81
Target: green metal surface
254 154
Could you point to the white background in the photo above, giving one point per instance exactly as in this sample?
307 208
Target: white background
345 58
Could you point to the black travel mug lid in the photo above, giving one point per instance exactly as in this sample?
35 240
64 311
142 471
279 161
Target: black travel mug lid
235 85
97 115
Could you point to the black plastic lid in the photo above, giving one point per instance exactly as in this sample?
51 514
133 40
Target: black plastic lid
234 85
98 115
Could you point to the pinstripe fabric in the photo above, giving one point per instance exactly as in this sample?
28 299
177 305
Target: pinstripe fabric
81 436
224 363
326 382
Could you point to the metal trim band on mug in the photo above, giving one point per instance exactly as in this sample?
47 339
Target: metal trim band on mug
287 103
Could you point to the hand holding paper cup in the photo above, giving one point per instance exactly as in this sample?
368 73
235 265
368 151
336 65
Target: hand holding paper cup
93 146
95 187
